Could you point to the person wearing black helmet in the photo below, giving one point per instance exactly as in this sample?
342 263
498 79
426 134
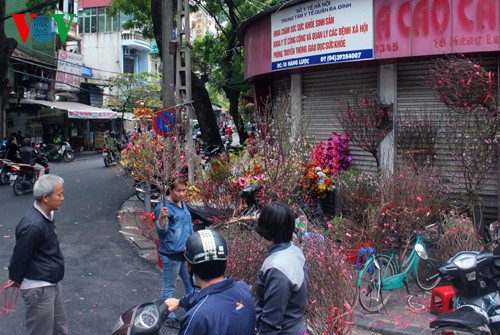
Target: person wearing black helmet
221 306
281 288
30 156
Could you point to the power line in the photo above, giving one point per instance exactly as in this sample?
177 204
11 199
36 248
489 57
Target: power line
52 68
253 4
117 96
56 81
22 11
55 58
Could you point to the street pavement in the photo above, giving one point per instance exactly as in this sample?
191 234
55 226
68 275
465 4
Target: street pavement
406 314
104 274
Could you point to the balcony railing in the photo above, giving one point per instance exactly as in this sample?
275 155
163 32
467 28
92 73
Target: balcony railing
132 35
135 40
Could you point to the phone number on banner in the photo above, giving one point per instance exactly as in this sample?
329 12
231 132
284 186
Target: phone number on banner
324 59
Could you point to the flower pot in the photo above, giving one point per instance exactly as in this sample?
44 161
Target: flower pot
328 203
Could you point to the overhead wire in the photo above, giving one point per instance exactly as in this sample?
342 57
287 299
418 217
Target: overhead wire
56 81
55 58
42 5
54 69
253 4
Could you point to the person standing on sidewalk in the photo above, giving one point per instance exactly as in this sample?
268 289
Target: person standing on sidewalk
281 288
222 306
174 226
37 263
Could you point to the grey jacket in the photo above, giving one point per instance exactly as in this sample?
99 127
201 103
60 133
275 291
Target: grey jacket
281 291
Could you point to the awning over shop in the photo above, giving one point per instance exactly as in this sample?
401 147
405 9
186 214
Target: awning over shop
128 116
75 110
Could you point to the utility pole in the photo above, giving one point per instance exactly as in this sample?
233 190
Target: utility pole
183 74
167 16
167 59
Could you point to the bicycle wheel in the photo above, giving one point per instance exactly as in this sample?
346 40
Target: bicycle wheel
371 294
427 268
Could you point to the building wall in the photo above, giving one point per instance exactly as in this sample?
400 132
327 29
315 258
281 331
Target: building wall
201 24
93 3
408 35
258 48
401 28
103 53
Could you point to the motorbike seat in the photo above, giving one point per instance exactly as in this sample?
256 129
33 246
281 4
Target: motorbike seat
465 316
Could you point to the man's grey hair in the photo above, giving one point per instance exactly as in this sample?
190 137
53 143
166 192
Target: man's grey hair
45 185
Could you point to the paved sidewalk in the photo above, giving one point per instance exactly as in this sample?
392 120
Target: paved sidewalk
405 314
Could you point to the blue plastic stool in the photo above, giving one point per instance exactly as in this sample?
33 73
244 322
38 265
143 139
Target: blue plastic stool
360 256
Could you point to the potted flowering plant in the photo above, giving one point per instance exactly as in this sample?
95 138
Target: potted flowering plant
327 161
317 180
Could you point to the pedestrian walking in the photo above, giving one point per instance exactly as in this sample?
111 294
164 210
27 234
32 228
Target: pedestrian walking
281 288
37 263
174 226
222 306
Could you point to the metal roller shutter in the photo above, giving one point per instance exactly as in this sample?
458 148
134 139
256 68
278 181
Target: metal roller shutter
322 95
281 87
415 97
280 94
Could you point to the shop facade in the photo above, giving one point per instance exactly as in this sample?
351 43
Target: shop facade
41 120
319 52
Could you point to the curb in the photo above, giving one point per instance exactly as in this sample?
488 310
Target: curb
387 327
127 217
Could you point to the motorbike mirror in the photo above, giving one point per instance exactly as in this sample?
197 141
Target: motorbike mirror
420 250
495 230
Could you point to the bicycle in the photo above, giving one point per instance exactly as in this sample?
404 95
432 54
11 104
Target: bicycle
382 273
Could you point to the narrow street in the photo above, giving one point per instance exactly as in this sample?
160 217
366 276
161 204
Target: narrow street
104 275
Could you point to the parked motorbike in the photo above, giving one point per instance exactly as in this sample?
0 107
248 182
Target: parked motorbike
25 178
249 196
59 152
142 319
5 170
474 277
140 192
209 153
228 139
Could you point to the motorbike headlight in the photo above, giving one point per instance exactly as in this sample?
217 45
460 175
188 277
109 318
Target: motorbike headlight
466 262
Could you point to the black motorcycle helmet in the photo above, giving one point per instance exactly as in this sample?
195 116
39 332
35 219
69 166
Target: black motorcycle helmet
27 142
206 246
